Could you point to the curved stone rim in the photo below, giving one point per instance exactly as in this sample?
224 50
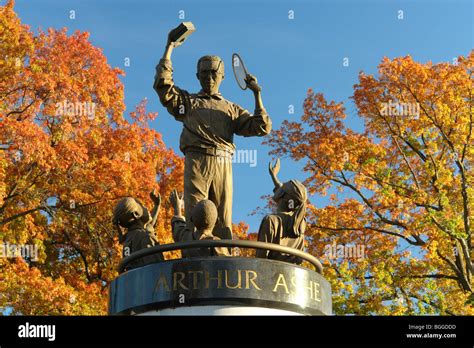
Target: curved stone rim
220 243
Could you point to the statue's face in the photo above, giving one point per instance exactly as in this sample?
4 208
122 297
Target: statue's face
209 76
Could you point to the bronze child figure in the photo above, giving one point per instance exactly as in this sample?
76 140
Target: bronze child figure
204 216
288 225
130 213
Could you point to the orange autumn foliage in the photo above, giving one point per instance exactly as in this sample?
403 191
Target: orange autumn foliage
68 155
402 189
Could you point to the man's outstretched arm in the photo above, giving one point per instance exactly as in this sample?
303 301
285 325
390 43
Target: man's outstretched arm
173 98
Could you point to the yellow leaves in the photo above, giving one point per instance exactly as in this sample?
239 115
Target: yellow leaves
15 44
400 191
65 168
46 296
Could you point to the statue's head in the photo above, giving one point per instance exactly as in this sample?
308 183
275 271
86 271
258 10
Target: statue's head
291 198
283 203
204 215
129 211
210 73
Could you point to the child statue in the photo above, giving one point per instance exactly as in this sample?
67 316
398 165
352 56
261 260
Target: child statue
131 214
288 225
204 217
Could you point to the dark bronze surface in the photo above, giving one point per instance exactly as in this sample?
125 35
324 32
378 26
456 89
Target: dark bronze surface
220 281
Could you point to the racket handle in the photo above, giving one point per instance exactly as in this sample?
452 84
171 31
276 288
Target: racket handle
259 89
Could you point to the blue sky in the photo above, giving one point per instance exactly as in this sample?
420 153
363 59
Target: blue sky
288 56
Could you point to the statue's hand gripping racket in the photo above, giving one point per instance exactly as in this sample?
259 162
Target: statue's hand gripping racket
243 78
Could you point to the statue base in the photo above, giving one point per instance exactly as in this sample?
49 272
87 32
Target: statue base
220 286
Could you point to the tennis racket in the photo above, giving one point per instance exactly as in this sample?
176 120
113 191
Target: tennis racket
240 72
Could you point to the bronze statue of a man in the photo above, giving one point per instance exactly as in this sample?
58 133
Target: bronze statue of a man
288 225
209 124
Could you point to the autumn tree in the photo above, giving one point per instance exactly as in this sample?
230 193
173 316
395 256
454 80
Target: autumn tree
404 188
68 153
